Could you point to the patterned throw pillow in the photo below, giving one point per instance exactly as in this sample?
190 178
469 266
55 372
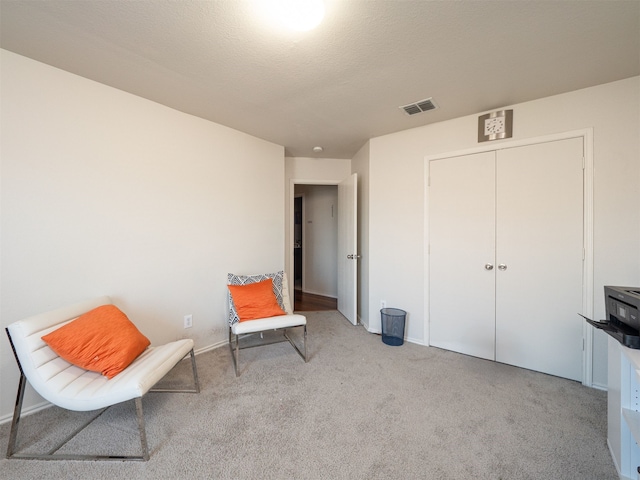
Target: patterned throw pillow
233 279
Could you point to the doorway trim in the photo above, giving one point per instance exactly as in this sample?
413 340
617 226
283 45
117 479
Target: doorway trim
587 267
302 250
291 241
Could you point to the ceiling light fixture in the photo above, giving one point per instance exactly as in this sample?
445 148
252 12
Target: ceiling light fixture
318 149
300 15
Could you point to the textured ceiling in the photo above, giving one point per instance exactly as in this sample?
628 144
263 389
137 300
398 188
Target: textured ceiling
342 83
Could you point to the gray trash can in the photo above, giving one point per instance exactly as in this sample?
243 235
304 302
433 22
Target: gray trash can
393 320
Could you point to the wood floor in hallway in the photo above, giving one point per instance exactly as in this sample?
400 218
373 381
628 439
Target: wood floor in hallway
307 302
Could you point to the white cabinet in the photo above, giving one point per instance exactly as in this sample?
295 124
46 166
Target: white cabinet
623 408
506 255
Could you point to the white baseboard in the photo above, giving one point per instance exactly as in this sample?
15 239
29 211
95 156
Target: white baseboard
311 292
376 331
26 411
615 464
213 346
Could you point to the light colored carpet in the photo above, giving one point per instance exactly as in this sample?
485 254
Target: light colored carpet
358 410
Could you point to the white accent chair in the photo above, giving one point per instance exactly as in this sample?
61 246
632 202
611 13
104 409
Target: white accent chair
73 388
249 330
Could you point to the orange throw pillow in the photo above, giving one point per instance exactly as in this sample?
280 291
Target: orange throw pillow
102 340
255 300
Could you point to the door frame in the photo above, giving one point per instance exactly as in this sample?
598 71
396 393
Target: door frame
587 267
291 241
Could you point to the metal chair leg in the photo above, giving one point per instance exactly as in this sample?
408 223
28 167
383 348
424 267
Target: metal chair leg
195 371
237 356
297 349
16 415
51 455
143 432
304 341
235 353
196 381
235 347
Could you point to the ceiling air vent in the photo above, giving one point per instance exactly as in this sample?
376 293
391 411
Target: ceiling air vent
419 107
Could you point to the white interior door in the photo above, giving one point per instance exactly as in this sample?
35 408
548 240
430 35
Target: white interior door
348 248
461 254
539 241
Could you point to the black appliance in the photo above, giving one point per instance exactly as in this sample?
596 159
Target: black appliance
623 315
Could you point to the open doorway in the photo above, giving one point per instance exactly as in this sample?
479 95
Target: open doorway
315 240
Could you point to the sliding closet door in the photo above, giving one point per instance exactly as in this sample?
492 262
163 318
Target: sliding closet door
461 245
539 243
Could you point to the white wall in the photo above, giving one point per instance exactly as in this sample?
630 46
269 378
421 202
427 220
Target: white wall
307 171
396 210
103 192
320 239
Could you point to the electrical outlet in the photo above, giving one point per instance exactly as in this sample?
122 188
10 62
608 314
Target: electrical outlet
383 304
188 321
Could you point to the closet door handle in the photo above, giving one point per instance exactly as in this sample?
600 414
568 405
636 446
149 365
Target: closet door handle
488 266
502 266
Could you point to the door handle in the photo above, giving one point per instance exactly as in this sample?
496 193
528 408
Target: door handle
488 266
502 266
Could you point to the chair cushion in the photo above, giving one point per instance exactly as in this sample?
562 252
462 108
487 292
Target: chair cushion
233 279
74 388
262 324
255 300
102 340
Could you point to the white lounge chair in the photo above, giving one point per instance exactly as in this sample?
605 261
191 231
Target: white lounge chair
73 388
